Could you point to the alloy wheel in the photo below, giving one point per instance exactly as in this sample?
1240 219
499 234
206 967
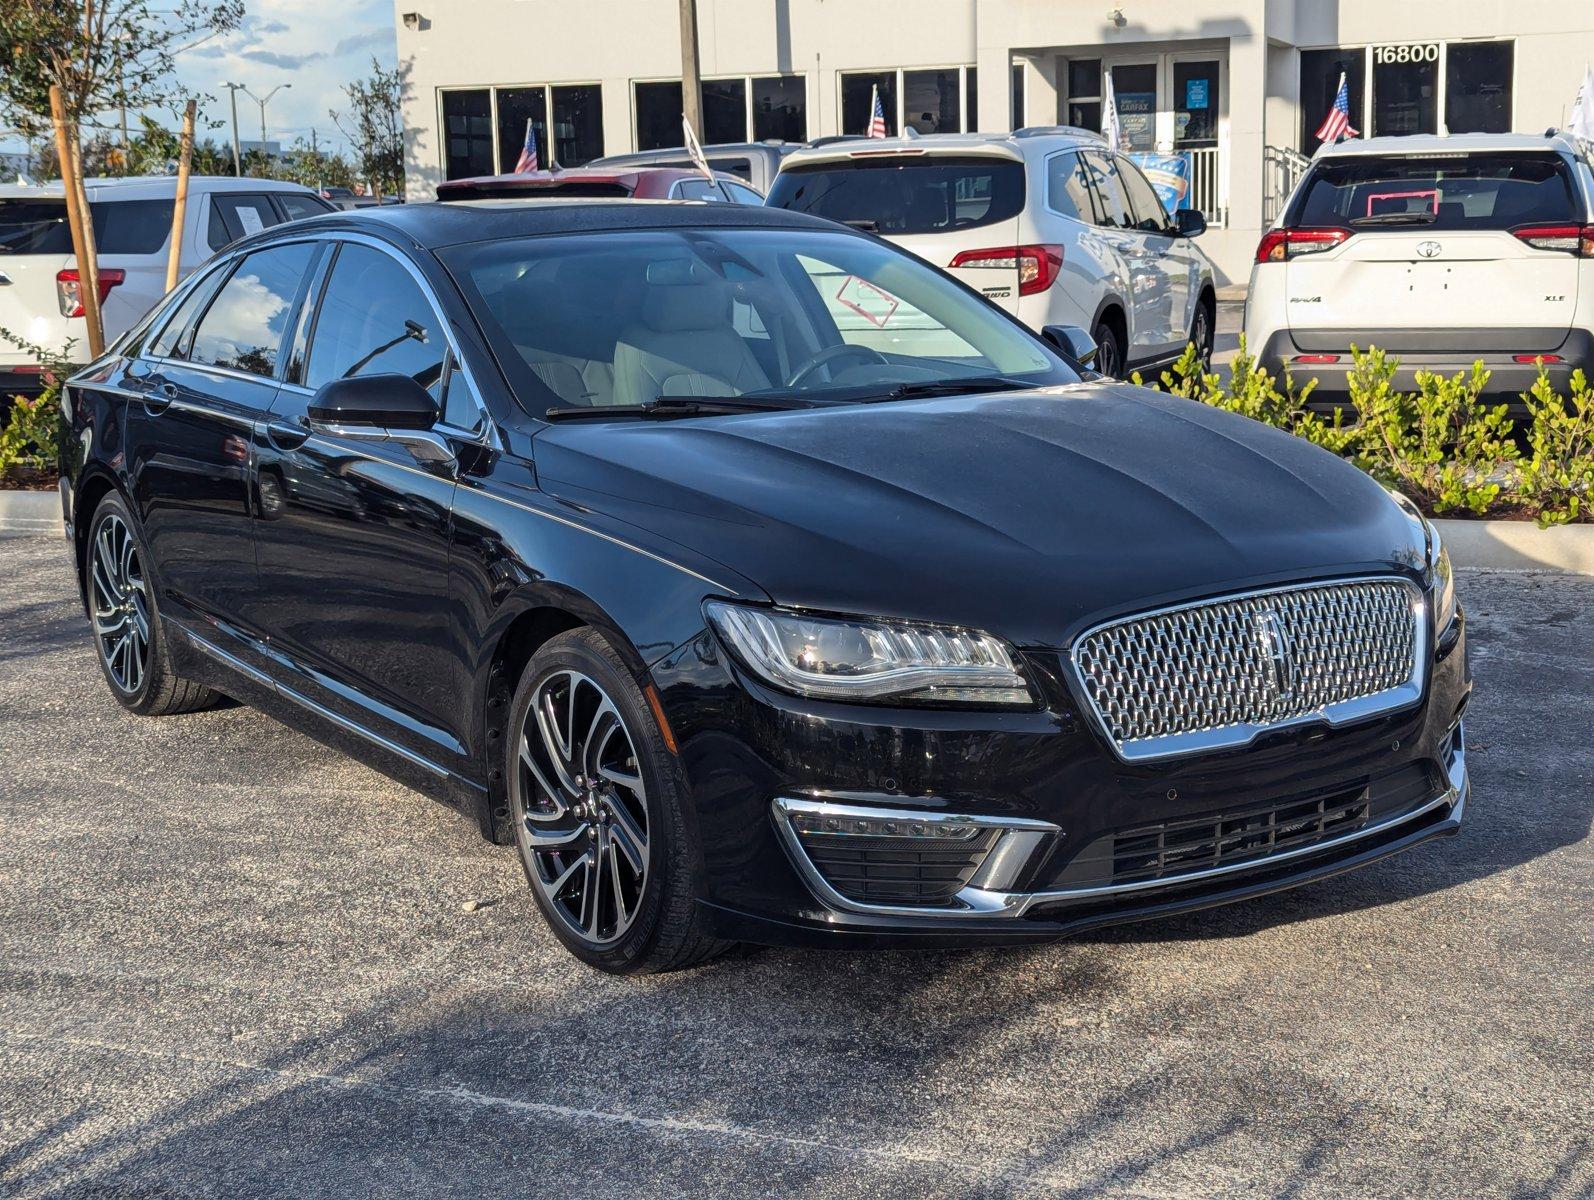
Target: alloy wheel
120 607
1201 333
583 807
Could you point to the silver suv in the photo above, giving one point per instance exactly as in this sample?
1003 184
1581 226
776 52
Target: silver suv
1051 224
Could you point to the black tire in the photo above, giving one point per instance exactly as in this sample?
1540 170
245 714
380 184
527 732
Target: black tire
129 637
1203 329
1109 350
663 931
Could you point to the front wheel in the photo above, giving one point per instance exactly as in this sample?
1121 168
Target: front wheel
1203 329
596 800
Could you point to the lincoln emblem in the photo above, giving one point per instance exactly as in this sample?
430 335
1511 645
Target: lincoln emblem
1274 643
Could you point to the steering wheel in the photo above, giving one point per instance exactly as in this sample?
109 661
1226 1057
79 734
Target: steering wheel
832 354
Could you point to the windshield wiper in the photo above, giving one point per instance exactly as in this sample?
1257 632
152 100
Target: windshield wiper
676 406
1399 218
952 387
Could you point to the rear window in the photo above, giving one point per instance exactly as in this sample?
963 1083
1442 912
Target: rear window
905 195
1441 191
120 226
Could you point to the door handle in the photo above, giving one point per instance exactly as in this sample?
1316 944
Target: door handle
286 435
157 399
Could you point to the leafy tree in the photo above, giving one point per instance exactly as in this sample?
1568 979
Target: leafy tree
374 128
105 54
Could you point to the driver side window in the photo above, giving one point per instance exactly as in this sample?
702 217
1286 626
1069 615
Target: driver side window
375 320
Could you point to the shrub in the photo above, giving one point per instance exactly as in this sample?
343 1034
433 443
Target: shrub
1440 444
30 440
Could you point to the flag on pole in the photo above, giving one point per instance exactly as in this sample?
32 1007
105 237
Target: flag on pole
694 151
1337 124
527 161
1110 128
1582 122
877 114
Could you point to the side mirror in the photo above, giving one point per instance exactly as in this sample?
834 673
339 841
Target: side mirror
1076 346
382 401
1189 222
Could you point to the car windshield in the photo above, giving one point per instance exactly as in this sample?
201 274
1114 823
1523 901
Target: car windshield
625 318
1437 191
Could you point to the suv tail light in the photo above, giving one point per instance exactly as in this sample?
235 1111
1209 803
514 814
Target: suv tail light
69 295
1279 245
1037 265
1569 239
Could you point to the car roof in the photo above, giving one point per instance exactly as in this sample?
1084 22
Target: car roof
630 178
143 187
1458 143
435 224
718 149
1040 139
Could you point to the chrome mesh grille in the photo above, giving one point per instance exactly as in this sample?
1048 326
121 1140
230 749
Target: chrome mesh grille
1167 681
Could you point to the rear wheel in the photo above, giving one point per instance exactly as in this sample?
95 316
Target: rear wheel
596 801
1109 350
128 634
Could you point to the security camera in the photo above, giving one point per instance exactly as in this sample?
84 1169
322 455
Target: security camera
412 20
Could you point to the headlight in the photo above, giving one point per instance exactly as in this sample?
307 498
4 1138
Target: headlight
870 660
1441 577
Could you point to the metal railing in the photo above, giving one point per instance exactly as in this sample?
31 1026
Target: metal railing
1209 184
1282 169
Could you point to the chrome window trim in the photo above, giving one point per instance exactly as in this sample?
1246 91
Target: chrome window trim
1230 737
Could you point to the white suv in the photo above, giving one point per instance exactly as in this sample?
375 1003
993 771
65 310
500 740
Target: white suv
132 225
1439 250
1049 223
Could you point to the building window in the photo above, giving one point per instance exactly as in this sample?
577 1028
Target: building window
1320 71
1195 105
971 98
467 134
1135 93
724 111
577 123
780 108
1016 102
1405 90
931 101
1478 79
1084 93
856 93
516 106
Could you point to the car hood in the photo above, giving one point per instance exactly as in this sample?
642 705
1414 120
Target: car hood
1026 514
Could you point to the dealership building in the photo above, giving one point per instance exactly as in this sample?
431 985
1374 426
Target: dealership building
1238 86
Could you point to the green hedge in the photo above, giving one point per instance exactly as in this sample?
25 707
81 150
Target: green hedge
1441 444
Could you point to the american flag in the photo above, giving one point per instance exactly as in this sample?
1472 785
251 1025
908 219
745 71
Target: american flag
877 115
528 153
1337 124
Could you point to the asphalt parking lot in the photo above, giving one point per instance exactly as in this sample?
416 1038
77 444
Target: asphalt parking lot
235 964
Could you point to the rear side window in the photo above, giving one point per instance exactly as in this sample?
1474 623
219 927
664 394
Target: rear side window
375 320
1438 191
235 215
698 189
120 226
901 195
298 206
1068 188
243 329
742 195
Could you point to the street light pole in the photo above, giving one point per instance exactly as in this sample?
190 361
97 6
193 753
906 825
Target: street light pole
263 104
237 160
691 79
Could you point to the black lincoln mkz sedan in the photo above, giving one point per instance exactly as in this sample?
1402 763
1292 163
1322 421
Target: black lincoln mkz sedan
758 581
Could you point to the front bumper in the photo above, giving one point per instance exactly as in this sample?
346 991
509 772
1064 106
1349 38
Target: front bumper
1508 378
1037 797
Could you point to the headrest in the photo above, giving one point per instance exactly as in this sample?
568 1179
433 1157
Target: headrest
671 308
674 271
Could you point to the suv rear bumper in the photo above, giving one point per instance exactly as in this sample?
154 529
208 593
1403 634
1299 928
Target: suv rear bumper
1508 379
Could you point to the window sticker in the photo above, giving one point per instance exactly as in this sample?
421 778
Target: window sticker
871 302
249 218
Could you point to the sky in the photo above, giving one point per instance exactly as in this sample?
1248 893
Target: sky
315 45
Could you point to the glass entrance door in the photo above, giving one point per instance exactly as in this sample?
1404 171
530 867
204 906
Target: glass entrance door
1135 89
1195 105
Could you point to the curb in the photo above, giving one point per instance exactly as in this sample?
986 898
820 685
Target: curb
1519 546
30 512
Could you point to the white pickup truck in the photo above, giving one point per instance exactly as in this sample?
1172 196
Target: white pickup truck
132 228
